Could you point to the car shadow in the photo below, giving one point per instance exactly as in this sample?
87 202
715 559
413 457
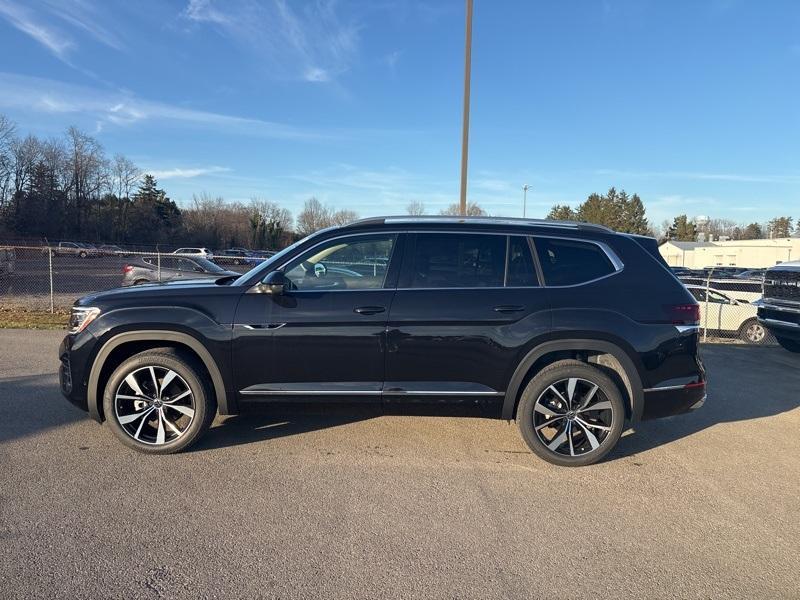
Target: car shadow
259 422
744 382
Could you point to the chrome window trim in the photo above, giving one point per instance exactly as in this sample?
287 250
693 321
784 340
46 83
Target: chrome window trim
365 393
612 256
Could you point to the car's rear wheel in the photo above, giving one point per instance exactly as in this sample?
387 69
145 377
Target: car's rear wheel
571 414
753 332
159 401
787 344
83 254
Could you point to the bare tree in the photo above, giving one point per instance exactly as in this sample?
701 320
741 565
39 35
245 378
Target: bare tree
7 136
343 217
415 208
25 153
313 217
473 210
124 176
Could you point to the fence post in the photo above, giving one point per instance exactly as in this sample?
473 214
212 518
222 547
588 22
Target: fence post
705 315
50 268
158 259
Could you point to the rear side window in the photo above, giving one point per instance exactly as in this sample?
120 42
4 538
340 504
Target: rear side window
448 260
521 272
570 262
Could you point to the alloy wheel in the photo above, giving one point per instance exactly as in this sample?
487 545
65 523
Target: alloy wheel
154 405
755 333
572 417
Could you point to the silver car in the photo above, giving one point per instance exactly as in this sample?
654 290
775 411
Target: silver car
149 269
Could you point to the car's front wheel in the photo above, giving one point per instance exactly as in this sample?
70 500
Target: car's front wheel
159 401
753 332
571 414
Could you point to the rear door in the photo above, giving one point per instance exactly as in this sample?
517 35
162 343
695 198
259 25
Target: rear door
466 306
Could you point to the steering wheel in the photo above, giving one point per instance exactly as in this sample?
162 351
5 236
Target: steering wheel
320 270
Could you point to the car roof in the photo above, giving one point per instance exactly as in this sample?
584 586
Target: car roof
477 222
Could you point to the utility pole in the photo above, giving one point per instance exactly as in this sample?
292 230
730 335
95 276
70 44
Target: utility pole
465 124
525 189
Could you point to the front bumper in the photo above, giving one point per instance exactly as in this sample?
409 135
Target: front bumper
73 355
782 321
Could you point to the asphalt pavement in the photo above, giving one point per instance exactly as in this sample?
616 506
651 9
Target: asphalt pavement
346 501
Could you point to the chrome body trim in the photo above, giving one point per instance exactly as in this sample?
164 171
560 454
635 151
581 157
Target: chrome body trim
778 323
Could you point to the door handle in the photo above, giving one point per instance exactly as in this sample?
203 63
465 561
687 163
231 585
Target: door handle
369 310
508 308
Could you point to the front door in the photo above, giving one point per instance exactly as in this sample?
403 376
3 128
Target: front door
467 305
325 335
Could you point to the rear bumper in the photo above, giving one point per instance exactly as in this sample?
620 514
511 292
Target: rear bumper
673 400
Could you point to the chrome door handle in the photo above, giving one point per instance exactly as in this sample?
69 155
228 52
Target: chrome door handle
369 310
509 308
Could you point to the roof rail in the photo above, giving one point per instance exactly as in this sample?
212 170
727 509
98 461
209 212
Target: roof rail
404 220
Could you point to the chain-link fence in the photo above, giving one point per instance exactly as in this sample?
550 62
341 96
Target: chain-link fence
726 297
53 277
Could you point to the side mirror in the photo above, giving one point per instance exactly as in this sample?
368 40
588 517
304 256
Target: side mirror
274 284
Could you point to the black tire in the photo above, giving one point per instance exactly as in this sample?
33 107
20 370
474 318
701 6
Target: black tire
607 423
174 428
237 262
83 254
790 345
753 332
141 281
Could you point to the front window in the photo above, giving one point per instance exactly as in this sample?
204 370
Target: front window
356 262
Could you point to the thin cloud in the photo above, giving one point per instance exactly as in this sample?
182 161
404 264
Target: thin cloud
313 45
120 109
186 173
18 16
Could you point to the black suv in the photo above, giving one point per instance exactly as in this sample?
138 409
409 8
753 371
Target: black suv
571 329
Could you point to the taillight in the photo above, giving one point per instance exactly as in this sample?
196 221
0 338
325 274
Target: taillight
683 314
127 269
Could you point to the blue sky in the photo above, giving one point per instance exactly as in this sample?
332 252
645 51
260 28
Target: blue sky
693 104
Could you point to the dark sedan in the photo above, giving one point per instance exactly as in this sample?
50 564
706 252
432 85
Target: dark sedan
148 269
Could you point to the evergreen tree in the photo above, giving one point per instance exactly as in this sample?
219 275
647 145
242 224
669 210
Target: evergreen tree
682 230
562 212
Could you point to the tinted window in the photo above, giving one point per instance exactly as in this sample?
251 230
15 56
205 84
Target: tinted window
444 260
521 271
568 262
343 263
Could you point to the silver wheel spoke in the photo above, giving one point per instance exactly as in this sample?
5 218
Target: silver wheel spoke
139 429
547 412
602 405
189 412
155 380
160 434
590 436
560 397
178 397
131 418
127 397
558 440
549 423
571 383
134 385
171 425
589 397
569 436
593 425
166 381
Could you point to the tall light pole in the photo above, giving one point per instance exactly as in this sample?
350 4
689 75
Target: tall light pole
465 123
525 189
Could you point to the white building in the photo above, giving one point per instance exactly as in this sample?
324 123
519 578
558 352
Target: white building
739 253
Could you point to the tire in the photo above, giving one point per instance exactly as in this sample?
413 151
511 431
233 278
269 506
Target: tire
170 419
560 444
83 254
790 345
141 281
753 332
237 262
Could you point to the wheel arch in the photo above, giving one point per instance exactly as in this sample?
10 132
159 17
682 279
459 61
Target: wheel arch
122 345
608 355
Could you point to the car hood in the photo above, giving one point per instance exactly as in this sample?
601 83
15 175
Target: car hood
164 289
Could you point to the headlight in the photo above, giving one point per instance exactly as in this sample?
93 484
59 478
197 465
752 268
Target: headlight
81 316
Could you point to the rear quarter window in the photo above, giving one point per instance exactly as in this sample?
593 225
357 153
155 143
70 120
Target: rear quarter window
571 262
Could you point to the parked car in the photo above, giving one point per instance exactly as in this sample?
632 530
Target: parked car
569 328
198 252
232 256
8 261
113 250
751 274
724 315
79 249
149 269
259 256
679 271
739 289
779 311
